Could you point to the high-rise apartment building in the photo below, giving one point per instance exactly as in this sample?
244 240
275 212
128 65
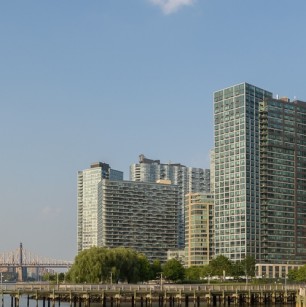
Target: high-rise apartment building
212 171
283 181
139 215
199 239
87 191
237 172
260 177
188 180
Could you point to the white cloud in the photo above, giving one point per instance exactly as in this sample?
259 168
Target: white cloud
171 6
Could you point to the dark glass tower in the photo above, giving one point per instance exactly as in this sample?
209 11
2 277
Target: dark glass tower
283 181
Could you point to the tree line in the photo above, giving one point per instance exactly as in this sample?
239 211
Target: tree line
113 265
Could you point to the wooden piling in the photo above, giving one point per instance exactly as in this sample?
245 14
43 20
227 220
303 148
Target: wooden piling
186 300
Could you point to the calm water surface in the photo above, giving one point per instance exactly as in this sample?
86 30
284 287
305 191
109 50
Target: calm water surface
33 303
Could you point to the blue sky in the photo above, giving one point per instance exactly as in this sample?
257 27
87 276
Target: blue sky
107 80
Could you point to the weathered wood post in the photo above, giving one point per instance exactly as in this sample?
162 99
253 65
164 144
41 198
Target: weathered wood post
285 296
103 299
214 299
117 297
208 298
53 298
273 297
165 298
228 300
186 300
132 301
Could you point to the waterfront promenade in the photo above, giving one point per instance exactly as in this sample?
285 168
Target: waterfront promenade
145 295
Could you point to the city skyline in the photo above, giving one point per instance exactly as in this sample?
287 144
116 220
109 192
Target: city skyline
85 82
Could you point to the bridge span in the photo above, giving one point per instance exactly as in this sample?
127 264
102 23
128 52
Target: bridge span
20 260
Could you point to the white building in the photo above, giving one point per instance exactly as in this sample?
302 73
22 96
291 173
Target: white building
88 179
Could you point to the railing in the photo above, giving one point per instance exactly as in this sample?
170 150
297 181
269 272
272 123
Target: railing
143 287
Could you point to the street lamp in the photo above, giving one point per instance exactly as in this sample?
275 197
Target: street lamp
161 281
246 274
57 280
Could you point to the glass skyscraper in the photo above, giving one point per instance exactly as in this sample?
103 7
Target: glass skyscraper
237 161
87 224
260 177
283 181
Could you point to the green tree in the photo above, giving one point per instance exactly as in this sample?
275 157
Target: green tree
144 268
61 277
173 270
301 274
193 273
48 277
206 271
293 275
221 266
237 269
156 268
248 266
197 273
88 266
105 265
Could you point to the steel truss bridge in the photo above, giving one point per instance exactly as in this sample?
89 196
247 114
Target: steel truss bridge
23 258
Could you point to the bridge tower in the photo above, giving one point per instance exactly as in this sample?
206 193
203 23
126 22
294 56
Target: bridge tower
21 270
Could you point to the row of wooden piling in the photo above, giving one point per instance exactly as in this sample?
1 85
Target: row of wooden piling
162 299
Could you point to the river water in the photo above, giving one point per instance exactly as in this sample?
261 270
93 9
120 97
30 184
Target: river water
6 302
32 303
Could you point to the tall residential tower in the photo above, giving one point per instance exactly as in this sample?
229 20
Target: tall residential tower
283 181
260 177
87 224
237 162
188 180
